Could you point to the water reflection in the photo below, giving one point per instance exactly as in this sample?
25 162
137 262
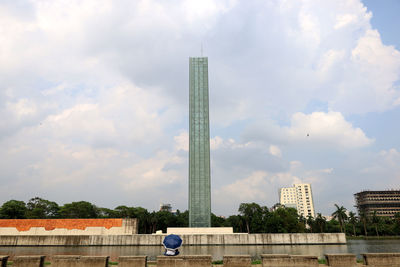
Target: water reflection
365 246
217 252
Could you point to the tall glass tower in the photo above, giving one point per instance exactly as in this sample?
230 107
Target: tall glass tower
199 144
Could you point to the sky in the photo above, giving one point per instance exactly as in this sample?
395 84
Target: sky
94 99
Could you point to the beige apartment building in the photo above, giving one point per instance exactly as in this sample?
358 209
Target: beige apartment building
299 197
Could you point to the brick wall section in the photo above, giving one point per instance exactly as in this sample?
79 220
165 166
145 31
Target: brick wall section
51 224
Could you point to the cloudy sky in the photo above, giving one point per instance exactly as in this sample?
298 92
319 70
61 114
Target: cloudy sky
94 99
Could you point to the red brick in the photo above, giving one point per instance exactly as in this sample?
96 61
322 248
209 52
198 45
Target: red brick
51 224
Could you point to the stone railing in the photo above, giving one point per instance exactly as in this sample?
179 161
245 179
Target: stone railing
267 260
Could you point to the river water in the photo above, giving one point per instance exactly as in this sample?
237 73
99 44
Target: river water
217 252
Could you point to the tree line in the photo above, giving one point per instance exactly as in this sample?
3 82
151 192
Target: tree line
251 218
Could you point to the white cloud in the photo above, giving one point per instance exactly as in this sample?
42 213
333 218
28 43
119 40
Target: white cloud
387 163
216 142
322 129
343 20
330 128
374 71
248 189
151 172
275 150
182 141
23 107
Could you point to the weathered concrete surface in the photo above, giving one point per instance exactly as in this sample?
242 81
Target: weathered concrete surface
154 240
169 261
341 260
275 260
237 261
94 261
285 260
28 261
382 259
304 260
41 227
184 261
65 260
79 261
3 260
197 260
132 261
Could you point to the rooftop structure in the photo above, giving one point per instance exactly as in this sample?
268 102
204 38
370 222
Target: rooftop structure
165 207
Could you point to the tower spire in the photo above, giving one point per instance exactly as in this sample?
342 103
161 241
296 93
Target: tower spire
199 144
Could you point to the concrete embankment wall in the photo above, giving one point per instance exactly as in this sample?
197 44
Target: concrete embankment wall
154 240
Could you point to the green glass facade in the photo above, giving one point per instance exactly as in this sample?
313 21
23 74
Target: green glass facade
199 144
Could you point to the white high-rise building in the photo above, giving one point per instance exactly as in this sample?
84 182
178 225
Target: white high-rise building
299 197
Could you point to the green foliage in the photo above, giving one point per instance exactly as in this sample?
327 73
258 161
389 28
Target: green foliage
258 219
13 209
341 216
320 223
79 210
38 208
237 222
252 214
217 221
107 213
182 219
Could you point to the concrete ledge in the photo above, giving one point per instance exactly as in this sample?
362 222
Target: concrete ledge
132 261
285 260
156 240
304 260
94 261
237 261
184 261
28 261
341 260
197 260
382 259
3 260
275 260
65 260
169 261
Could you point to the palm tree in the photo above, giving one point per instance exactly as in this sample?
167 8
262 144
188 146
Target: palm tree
310 222
364 219
353 221
320 221
340 215
376 221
